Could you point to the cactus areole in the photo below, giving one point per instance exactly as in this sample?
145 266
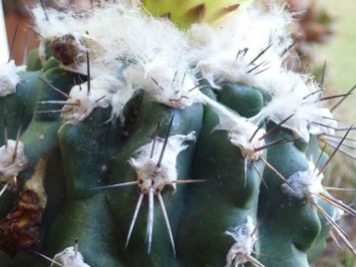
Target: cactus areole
128 141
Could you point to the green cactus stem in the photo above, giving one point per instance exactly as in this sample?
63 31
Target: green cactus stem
143 143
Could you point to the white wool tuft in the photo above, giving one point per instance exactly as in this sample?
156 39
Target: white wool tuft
309 117
241 136
69 257
305 184
327 122
10 167
118 31
146 167
8 78
245 241
239 128
167 86
337 214
153 55
119 34
217 47
225 52
82 102
121 94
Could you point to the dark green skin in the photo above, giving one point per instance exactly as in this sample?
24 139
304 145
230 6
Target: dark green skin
246 100
122 202
87 220
28 91
319 246
290 230
59 78
40 136
290 226
25 97
51 64
86 151
226 199
221 204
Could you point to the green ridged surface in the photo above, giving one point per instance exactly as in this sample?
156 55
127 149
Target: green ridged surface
95 152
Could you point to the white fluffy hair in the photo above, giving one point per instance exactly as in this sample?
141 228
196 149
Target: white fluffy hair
164 60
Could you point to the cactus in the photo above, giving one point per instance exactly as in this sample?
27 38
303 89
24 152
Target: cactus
131 142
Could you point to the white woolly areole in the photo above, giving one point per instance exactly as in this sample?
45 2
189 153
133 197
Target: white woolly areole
159 58
82 102
300 101
327 123
145 40
69 257
121 94
245 241
10 167
167 86
153 48
240 136
148 174
8 78
305 184
239 128
338 214
249 31
228 51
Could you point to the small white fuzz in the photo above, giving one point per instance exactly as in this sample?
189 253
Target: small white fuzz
154 49
8 78
337 215
70 257
300 101
156 167
153 55
241 136
149 175
323 122
120 94
305 184
242 132
82 102
241 251
11 166
167 86
254 56
140 38
227 51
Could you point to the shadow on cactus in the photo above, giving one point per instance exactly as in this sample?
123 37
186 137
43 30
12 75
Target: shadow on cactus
123 109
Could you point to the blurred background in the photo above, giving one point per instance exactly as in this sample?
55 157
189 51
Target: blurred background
325 31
